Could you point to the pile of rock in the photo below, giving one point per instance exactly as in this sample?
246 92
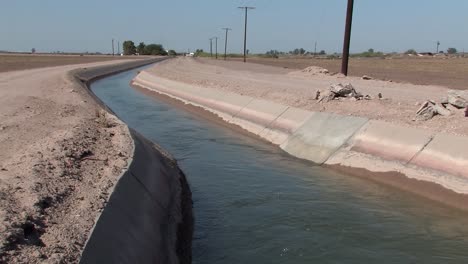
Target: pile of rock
315 70
429 109
337 91
455 101
458 99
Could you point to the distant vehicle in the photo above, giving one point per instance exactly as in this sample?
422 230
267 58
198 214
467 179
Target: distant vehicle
191 54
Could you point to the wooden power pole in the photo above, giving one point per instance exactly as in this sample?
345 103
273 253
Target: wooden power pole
245 30
225 42
347 38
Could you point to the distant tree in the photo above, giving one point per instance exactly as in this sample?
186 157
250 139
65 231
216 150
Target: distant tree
371 51
452 51
33 50
411 51
322 52
172 53
141 48
300 51
129 47
198 52
154 49
272 53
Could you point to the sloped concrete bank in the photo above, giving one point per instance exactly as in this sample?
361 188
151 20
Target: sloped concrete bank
433 165
148 217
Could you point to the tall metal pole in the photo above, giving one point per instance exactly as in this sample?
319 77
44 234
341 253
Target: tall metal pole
245 36
245 30
211 47
112 47
347 38
225 42
216 38
315 49
118 48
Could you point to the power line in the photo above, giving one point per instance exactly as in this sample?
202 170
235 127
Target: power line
225 42
347 38
245 30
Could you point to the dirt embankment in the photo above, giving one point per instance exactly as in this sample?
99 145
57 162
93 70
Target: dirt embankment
399 102
61 155
16 62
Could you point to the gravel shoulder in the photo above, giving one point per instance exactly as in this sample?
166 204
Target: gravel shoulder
295 88
61 156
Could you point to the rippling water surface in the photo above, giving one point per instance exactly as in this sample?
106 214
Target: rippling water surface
255 204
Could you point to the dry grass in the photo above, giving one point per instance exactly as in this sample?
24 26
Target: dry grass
450 73
14 62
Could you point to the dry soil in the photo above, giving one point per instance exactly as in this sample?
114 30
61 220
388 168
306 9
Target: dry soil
444 71
298 89
15 62
61 155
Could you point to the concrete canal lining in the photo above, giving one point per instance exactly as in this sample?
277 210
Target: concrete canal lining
321 136
331 139
148 218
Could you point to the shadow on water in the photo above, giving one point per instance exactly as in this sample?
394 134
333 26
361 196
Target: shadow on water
255 204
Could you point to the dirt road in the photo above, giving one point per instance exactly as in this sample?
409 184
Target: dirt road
60 158
16 62
298 89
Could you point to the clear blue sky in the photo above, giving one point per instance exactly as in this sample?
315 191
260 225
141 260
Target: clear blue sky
89 25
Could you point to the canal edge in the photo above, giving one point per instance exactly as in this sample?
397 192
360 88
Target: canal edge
112 238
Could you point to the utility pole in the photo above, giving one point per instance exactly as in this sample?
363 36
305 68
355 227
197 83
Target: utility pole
112 47
225 42
347 38
245 30
118 48
438 44
211 47
216 38
315 49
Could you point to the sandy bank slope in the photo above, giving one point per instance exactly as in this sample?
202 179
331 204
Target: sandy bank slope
299 90
60 157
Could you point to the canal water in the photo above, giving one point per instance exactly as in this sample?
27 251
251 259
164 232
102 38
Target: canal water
255 204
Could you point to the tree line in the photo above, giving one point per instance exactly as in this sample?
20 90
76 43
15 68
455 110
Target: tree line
298 51
369 53
129 48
